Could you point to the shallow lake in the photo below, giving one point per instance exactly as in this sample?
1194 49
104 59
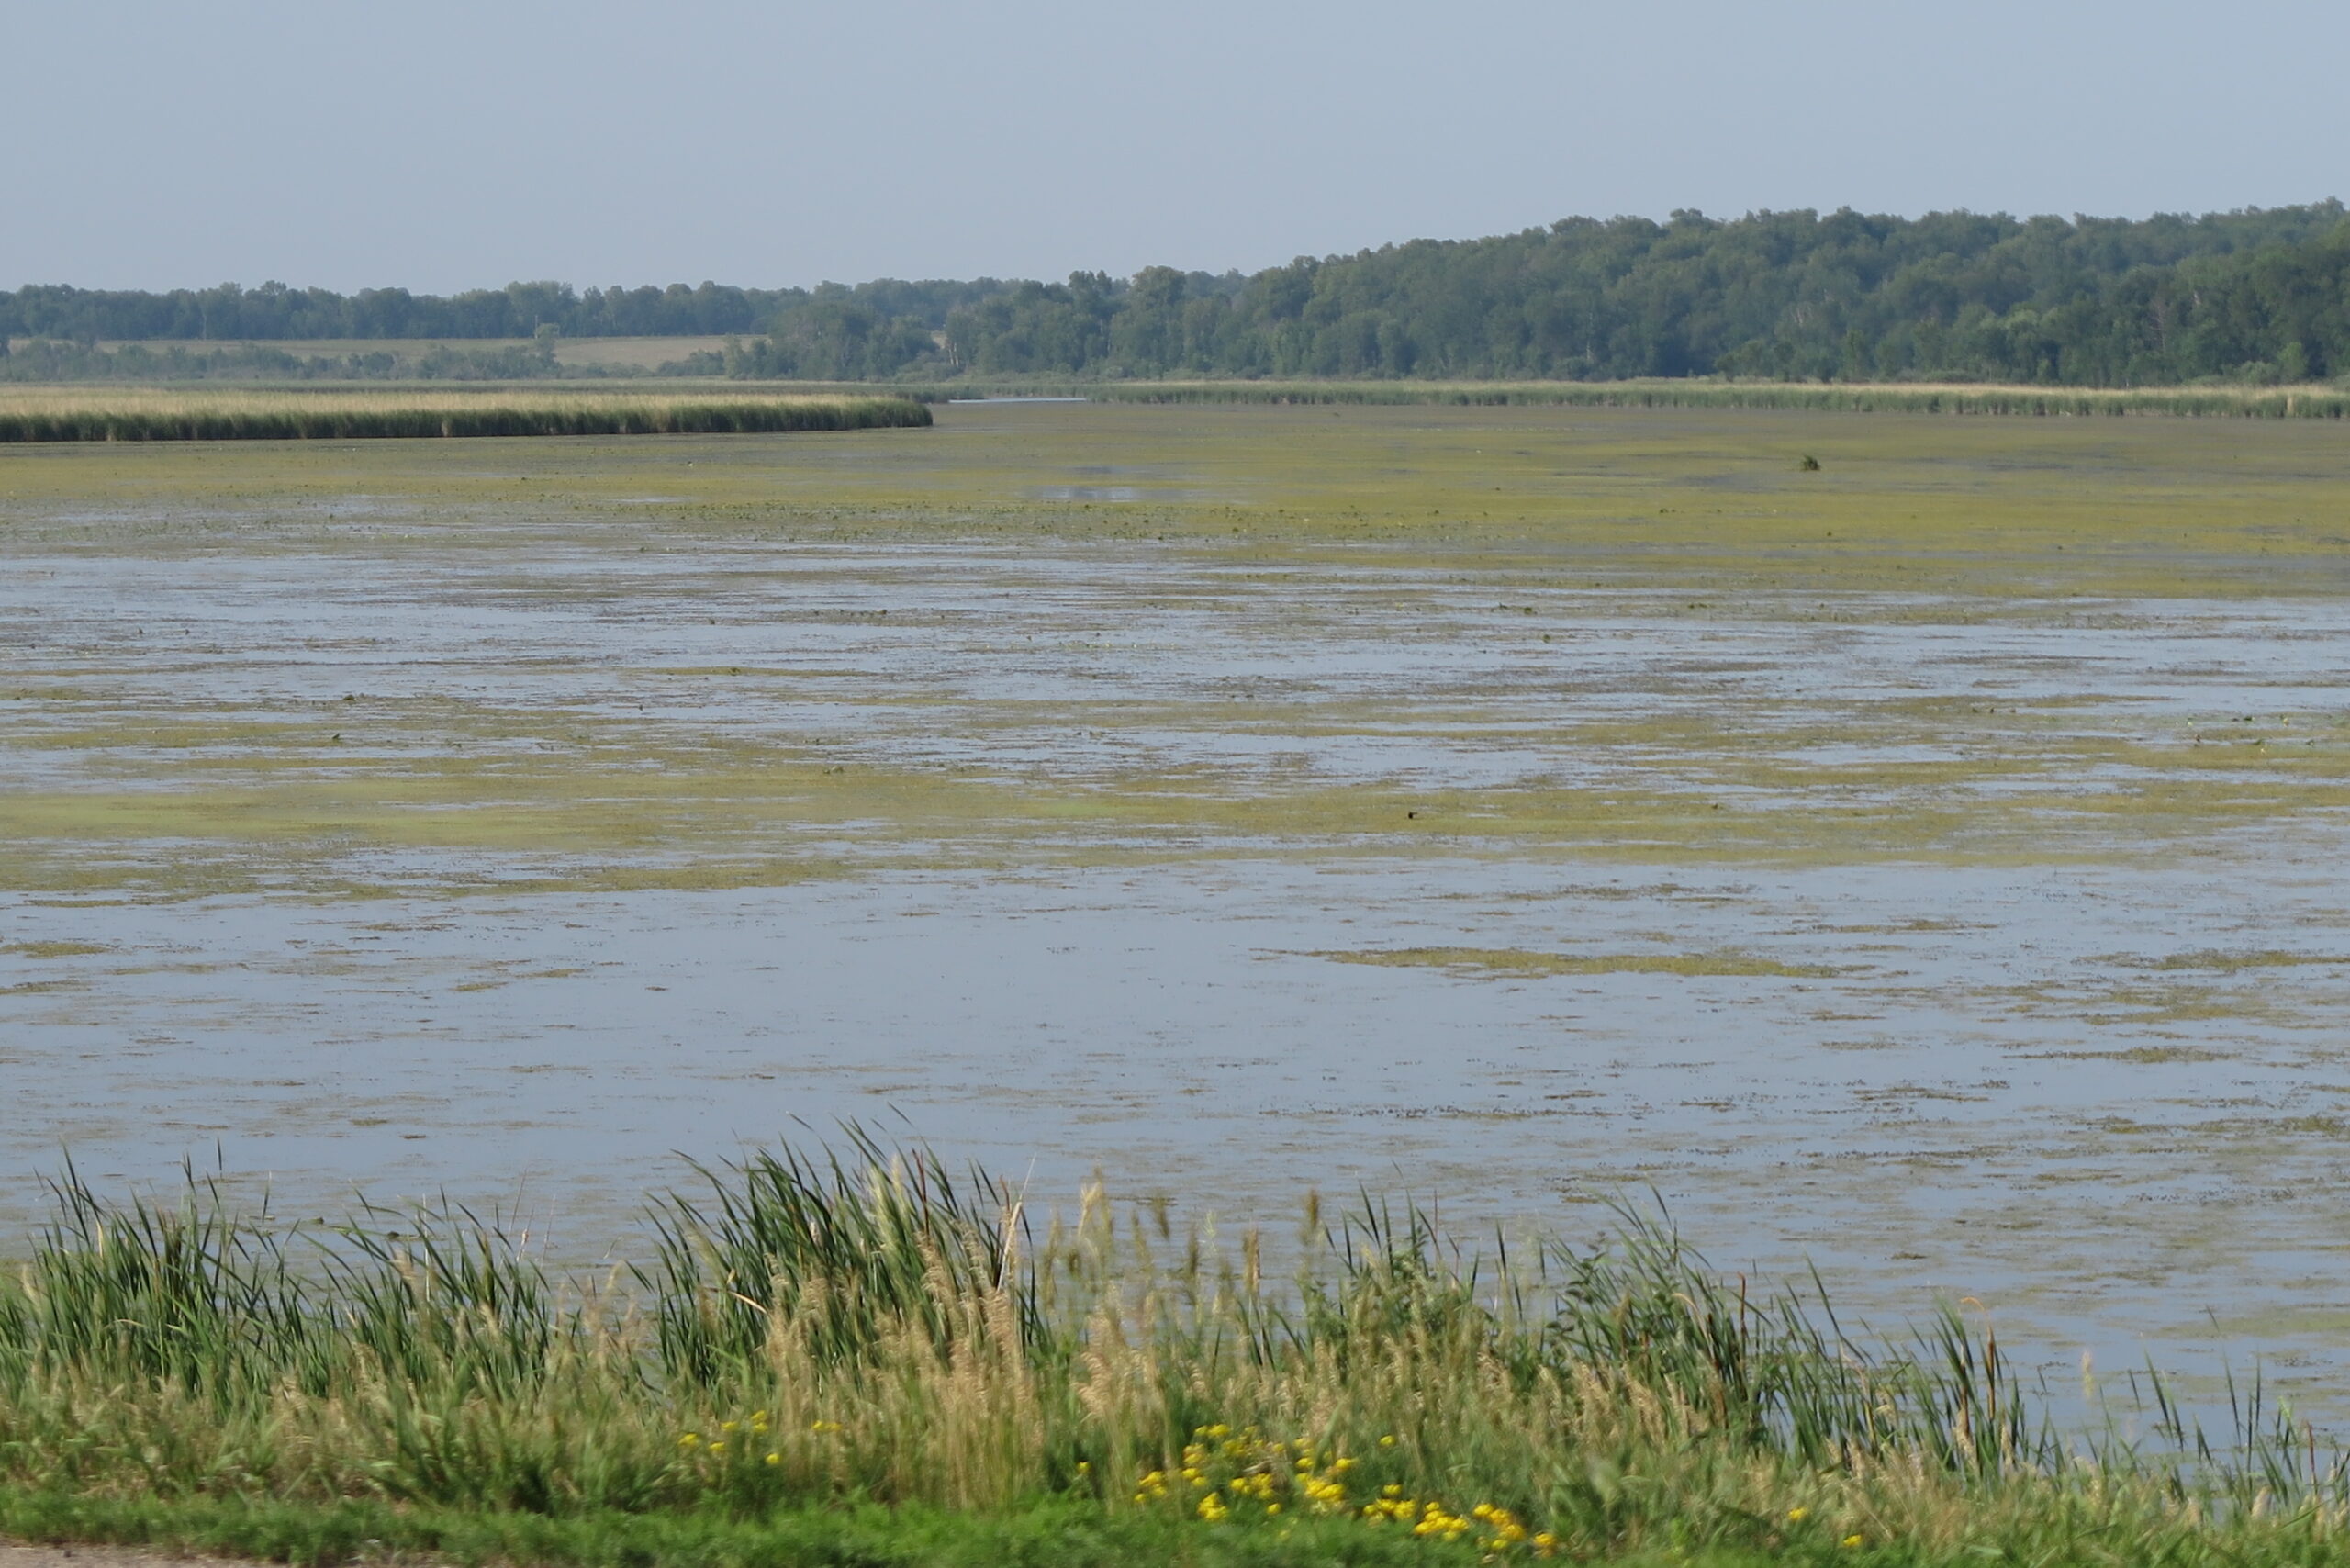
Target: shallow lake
1935 874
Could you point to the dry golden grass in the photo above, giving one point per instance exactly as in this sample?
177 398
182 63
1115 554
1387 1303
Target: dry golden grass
162 413
641 353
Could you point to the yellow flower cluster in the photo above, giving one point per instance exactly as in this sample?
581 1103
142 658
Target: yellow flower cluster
1325 1490
742 1435
1224 1469
1495 1528
1501 1526
1224 1473
1850 1543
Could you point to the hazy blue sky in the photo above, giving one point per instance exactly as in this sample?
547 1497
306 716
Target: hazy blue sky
445 145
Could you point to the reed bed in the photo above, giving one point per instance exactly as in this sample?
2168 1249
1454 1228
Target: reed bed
867 1328
52 414
2329 402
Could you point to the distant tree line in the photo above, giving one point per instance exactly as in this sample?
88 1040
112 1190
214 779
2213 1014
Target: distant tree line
56 359
2261 295
2255 296
275 311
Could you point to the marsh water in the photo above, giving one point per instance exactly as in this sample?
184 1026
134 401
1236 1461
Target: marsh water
1929 868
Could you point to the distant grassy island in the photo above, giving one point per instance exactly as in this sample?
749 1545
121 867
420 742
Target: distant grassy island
2225 400
236 414
2253 297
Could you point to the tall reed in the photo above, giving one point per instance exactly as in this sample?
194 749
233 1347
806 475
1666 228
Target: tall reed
138 415
866 1323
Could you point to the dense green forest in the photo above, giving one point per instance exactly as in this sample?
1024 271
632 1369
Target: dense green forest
65 359
2259 295
275 311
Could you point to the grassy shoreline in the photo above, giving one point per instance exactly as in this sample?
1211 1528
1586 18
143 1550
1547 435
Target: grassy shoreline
1059 1532
1045 1533
2312 401
2295 402
150 414
2322 401
869 1358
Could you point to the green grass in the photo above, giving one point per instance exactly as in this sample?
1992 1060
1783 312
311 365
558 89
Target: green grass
147 415
865 1357
1046 1533
1059 1532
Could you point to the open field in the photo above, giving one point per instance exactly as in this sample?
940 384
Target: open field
1925 865
158 413
635 354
